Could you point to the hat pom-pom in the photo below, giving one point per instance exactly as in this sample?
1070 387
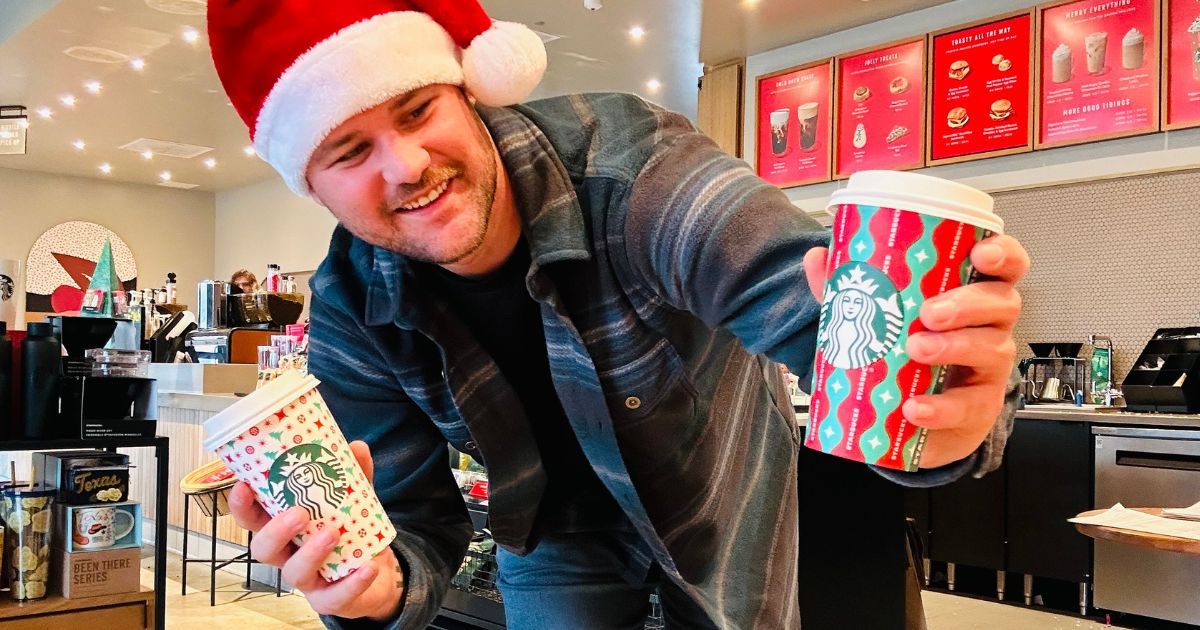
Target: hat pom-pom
504 64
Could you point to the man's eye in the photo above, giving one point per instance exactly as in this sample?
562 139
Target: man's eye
351 154
419 111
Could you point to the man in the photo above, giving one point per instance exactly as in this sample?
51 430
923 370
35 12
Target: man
582 294
244 281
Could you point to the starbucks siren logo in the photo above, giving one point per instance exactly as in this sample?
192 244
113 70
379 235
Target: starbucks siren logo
7 287
860 317
311 477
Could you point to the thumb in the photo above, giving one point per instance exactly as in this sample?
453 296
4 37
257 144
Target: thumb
814 269
362 453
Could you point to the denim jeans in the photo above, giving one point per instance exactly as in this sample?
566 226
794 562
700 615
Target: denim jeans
586 581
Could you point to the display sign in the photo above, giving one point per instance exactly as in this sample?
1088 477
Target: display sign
795 108
1098 71
980 79
881 109
1181 69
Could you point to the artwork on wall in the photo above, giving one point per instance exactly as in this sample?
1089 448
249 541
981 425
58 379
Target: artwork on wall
62 261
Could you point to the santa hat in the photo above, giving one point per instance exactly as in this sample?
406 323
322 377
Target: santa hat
296 69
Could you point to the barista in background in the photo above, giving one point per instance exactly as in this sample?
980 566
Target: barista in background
243 282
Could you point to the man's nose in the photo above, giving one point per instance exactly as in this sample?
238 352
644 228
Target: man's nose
404 161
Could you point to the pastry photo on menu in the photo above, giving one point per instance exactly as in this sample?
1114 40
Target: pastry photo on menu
1001 109
897 133
862 93
957 117
860 136
959 70
899 85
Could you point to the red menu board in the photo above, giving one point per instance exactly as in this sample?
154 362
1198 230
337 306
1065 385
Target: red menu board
980 90
1099 73
881 109
1181 70
794 128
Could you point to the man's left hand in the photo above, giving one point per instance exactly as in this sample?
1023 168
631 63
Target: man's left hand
970 328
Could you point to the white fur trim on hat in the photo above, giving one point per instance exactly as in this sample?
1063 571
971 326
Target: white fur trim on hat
504 64
355 69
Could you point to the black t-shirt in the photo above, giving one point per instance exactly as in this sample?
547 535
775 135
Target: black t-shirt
507 322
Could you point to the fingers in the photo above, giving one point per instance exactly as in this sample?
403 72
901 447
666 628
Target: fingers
245 508
990 352
273 543
995 304
301 569
342 597
1001 257
362 453
814 270
958 419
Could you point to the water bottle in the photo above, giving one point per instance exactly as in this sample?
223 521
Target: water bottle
655 620
41 356
6 365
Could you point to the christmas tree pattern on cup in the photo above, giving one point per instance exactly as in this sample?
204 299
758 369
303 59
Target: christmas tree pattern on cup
298 456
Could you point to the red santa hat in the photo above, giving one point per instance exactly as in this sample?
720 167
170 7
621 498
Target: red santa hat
296 69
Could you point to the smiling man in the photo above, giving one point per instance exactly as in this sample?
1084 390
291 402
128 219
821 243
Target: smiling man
582 293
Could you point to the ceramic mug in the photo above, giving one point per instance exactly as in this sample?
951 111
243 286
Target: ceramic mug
100 527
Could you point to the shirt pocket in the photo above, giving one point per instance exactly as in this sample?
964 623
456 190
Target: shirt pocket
638 381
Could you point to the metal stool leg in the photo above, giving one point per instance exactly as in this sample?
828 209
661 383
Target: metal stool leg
187 500
278 582
249 560
1083 598
950 575
212 565
1028 590
1000 579
928 570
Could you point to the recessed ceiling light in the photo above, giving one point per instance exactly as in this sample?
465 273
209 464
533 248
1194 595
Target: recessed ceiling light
191 35
79 145
248 150
93 87
147 154
210 163
137 63
637 33
106 168
750 4
653 85
67 99
165 176
45 112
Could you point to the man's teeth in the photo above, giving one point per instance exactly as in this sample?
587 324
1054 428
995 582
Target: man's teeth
427 199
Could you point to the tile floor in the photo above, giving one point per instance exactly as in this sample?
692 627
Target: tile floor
261 609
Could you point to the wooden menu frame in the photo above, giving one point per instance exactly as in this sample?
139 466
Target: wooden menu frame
1164 67
1031 106
831 101
1155 107
837 96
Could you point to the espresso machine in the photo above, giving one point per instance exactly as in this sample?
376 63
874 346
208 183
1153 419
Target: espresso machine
230 328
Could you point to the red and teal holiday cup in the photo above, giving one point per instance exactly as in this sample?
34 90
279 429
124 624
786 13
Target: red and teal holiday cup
898 240
283 441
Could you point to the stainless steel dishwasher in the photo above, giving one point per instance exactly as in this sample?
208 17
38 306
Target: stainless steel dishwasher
1140 467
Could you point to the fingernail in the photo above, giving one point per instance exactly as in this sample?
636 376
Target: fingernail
939 312
927 344
918 411
990 253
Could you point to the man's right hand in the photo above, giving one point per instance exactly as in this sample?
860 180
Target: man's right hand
374 590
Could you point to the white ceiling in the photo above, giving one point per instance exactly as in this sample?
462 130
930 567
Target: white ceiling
177 97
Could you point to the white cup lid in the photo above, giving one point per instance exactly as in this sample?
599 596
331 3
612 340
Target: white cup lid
249 411
920 193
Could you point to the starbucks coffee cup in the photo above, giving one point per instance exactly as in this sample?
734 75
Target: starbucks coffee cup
283 442
898 240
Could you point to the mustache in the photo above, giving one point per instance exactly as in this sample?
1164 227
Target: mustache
432 177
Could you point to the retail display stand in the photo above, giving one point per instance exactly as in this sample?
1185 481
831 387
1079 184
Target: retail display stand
109 611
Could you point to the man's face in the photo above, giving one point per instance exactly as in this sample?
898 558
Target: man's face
415 175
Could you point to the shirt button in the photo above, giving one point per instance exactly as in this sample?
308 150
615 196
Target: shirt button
633 402
470 445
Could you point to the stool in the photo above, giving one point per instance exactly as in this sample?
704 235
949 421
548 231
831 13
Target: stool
213 499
